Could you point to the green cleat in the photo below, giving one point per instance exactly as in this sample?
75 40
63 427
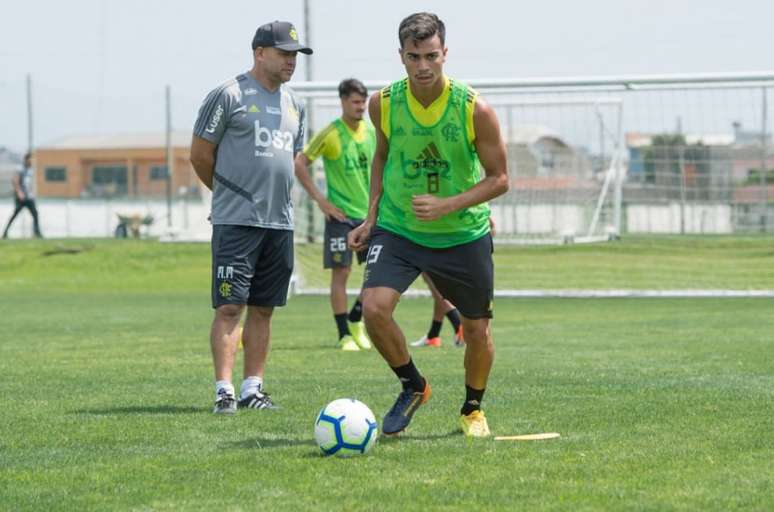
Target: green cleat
359 335
348 343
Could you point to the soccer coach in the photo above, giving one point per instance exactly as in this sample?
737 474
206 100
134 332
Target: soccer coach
246 136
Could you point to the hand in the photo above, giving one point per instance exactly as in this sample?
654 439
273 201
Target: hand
428 207
357 239
492 229
331 211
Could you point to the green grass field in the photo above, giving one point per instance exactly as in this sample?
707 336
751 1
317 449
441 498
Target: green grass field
663 404
656 263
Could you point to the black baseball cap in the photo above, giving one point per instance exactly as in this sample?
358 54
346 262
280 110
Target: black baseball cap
279 34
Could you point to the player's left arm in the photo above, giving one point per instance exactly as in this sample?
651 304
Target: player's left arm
492 155
16 182
304 176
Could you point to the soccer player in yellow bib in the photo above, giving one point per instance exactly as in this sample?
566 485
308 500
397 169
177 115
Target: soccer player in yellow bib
428 213
347 146
441 308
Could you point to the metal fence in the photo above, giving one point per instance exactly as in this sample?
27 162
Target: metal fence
630 154
588 158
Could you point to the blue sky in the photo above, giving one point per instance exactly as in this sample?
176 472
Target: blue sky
101 66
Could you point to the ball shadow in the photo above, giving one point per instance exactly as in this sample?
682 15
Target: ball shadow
264 443
408 437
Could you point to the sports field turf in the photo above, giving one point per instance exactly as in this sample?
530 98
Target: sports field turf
663 404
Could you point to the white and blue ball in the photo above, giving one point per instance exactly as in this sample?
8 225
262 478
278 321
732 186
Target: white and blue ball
345 427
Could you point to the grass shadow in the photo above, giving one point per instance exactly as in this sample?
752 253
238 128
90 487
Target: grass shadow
264 443
61 249
141 409
333 346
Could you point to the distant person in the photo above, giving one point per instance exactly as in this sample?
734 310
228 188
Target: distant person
428 213
347 146
24 196
247 134
441 308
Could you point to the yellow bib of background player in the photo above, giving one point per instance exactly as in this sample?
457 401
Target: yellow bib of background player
433 159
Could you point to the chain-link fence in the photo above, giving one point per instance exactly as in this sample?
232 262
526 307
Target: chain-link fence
600 156
588 158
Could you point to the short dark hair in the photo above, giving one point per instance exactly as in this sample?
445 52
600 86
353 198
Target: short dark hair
350 85
420 26
27 156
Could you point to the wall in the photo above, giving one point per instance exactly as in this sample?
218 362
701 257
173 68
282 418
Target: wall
80 162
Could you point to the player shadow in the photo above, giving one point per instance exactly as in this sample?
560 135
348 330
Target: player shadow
325 345
141 409
305 348
61 249
263 443
260 443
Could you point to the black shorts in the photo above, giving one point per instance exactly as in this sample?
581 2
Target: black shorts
335 251
251 265
463 274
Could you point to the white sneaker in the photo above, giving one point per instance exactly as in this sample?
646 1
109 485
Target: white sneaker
225 403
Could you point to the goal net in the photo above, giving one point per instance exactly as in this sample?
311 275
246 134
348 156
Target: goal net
565 160
593 158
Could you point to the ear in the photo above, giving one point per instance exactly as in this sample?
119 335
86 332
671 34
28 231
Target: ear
400 52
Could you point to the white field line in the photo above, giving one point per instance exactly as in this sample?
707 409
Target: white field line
585 294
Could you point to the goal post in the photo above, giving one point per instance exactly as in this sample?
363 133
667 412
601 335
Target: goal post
594 158
566 164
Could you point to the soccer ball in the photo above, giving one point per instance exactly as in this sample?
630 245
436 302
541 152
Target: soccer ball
345 427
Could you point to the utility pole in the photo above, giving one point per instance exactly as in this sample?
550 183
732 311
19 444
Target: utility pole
764 161
308 35
681 162
169 156
309 118
30 141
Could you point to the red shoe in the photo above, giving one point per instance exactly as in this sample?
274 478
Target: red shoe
424 341
459 339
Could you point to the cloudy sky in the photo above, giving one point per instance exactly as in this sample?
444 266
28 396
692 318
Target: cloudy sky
100 66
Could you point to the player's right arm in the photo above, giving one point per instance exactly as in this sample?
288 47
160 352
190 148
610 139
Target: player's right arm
208 131
358 238
305 178
203 159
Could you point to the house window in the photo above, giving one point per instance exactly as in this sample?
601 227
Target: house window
547 159
158 172
109 180
56 174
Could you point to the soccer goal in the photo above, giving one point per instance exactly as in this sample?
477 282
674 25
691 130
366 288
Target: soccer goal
594 158
566 165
